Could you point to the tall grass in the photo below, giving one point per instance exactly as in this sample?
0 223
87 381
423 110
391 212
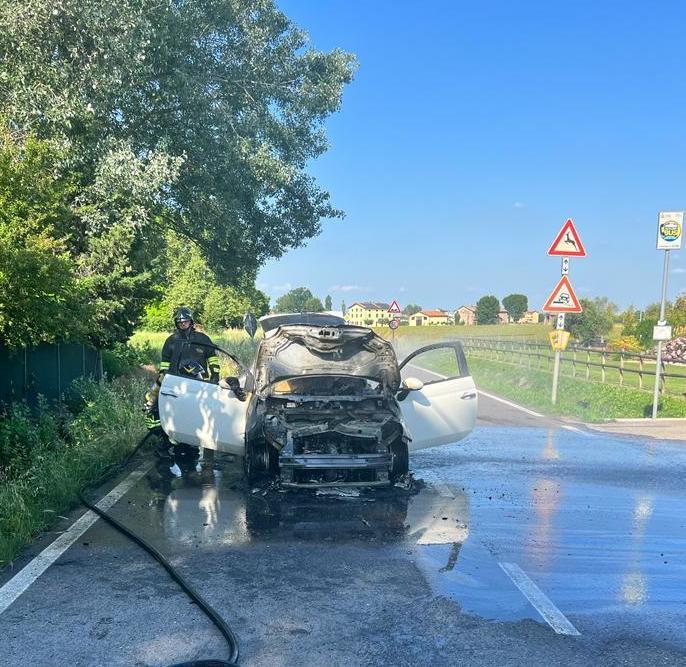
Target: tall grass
148 345
46 458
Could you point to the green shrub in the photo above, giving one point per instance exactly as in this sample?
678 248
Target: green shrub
23 435
52 455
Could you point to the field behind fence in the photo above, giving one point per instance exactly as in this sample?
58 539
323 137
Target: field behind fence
612 367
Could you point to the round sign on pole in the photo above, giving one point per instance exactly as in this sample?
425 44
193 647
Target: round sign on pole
394 324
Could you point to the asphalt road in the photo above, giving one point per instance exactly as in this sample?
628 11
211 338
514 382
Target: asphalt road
528 542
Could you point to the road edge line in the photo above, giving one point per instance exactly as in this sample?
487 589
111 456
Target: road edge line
511 404
539 600
21 581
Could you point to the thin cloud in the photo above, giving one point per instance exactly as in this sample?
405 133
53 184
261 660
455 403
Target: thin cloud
678 270
282 288
348 288
519 204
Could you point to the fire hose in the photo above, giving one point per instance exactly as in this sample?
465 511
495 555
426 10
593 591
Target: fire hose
185 585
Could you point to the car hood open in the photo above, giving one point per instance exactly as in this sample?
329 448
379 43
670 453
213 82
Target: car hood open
298 350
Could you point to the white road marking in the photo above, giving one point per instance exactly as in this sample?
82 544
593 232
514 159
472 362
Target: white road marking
540 601
424 370
511 404
578 430
27 575
481 391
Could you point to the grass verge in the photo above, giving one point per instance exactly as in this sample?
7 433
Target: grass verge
47 457
587 401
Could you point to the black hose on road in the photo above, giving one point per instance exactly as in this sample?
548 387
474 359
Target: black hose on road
185 586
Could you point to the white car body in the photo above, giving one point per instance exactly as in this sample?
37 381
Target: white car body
441 412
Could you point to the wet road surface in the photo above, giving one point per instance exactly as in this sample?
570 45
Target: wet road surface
513 541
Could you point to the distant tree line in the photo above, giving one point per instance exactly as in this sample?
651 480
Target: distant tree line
488 307
301 300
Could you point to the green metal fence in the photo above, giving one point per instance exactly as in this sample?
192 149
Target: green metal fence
45 369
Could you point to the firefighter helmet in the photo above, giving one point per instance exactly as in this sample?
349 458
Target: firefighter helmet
183 313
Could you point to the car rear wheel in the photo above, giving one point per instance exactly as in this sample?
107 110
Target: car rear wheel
401 460
260 461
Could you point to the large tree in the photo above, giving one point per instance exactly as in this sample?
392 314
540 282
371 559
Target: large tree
189 281
595 321
515 305
199 117
41 297
298 300
487 308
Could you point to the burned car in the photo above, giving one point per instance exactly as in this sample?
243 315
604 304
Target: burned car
326 403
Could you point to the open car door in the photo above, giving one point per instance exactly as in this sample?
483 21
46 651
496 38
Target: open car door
202 414
444 410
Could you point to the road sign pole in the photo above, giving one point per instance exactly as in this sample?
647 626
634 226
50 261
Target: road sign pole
661 322
556 367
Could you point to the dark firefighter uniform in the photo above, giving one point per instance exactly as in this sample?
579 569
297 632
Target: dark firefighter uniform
186 352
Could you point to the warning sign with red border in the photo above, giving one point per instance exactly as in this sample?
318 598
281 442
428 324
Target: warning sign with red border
562 299
394 308
567 243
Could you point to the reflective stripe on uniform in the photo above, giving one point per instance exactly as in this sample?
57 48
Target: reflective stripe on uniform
164 365
213 361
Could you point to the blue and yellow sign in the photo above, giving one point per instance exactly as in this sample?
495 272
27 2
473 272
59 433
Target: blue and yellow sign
670 230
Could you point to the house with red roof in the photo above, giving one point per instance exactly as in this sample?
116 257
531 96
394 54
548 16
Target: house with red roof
430 318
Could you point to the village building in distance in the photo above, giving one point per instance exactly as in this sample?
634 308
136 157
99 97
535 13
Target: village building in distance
375 314
367 313
430 317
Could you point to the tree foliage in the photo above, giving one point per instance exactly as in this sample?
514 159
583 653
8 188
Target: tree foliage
209 108
41 298
195 117
298 300
328 303
411 309
595 321
189 281
487 308
516 305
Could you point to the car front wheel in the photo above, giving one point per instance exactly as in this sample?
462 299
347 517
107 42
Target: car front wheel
401 460
260 461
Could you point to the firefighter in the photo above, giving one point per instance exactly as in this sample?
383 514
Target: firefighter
186 352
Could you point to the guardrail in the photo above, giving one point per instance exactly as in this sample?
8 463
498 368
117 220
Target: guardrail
593 364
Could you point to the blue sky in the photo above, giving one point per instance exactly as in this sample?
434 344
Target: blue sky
473 130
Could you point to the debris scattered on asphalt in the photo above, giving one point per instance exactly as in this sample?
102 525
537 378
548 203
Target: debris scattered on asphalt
339 492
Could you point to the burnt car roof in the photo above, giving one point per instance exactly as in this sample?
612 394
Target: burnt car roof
298 349
271 322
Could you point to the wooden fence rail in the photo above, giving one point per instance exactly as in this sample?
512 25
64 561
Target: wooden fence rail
585 363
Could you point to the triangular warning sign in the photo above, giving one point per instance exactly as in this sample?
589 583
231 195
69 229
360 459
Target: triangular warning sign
568 242
562 299
394 307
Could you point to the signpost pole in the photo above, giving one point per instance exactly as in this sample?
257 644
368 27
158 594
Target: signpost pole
563 299
556 367
661 322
